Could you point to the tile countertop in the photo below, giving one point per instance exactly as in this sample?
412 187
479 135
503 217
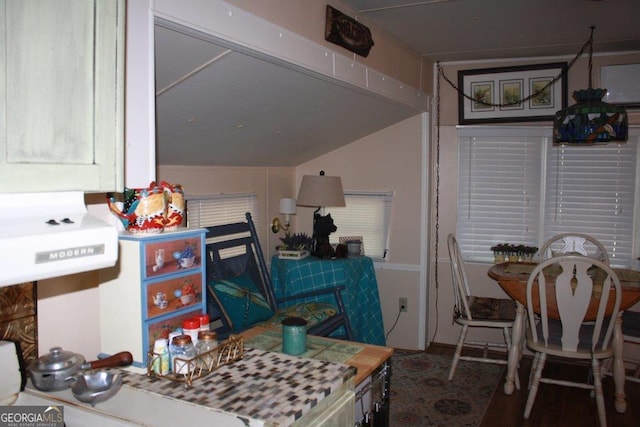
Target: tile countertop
366 358
263 388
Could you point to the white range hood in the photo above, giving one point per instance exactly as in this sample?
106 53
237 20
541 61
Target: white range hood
45 235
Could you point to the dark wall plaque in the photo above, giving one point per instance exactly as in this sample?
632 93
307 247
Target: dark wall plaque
347 32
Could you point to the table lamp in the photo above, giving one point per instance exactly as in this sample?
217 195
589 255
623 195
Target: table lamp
321 191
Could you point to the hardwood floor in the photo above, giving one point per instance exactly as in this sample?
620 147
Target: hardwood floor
556 405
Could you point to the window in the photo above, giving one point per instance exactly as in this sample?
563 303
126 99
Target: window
210 210
593 188
519 188
367 214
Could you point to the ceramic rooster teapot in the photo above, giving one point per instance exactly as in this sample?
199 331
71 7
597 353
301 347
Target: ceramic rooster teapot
174 212
143 209
150 210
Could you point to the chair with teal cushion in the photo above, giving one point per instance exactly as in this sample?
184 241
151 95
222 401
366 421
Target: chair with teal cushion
241 293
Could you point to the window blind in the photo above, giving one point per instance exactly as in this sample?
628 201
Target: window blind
499 175
367 214
592 190
210 210
515 186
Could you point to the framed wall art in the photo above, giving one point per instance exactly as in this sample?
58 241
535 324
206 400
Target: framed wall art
621 82
512 94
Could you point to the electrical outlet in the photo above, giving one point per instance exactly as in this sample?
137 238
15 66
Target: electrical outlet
402 304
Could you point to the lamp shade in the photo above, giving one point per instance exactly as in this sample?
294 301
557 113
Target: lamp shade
321 190
288 206
590 120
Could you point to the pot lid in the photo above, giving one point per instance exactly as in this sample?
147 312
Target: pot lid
57 360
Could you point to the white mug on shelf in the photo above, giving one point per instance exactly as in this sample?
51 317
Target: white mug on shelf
354 248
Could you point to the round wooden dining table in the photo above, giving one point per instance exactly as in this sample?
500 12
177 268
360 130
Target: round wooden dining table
512 278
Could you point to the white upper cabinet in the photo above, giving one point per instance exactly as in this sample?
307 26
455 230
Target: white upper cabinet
62 95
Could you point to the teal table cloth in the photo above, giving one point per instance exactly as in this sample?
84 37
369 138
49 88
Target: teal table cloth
361 298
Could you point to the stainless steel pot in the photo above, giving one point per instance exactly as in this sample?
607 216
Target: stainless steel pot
55 371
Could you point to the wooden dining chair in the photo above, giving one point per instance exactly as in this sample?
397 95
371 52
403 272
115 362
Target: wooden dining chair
574 243
563 294
471 311
631 337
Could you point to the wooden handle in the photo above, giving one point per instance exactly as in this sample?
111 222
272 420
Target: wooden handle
124 358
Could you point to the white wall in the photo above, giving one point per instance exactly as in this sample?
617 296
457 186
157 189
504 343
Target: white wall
307 18
391 159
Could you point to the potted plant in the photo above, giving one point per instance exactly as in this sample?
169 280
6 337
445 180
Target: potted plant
500 252
295 246
529 252
511 252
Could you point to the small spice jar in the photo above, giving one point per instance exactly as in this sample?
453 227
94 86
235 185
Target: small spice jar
207 341
160 364
191 327
204 322
182 352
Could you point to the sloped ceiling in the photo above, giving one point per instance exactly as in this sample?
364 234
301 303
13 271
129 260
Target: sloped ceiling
220 106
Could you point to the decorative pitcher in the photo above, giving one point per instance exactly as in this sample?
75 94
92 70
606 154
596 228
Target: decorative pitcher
159 259
143 209
175 205
160 300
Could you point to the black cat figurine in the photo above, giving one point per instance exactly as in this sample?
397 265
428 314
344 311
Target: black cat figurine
322 227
